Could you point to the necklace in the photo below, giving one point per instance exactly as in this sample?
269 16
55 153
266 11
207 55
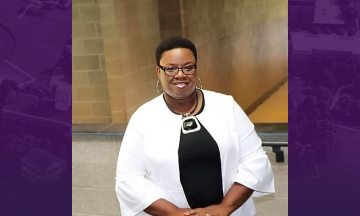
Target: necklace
189 123
186 114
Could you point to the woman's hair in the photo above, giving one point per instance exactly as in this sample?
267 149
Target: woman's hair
172 43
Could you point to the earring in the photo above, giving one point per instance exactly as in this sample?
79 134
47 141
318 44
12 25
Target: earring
157 87
200 83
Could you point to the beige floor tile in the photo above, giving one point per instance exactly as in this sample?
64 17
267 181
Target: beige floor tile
271 206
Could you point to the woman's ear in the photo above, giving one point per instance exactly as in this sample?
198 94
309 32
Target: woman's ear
158 71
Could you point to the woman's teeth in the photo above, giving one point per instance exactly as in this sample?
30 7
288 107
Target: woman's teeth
181 85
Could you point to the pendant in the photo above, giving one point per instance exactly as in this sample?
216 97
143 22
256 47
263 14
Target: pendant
190 125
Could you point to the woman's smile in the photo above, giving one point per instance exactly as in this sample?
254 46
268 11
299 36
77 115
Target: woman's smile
181 84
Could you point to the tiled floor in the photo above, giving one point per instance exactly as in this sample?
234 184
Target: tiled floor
274 109
275 204
94 162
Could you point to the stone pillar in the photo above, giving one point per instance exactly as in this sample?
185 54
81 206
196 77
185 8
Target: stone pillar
130 33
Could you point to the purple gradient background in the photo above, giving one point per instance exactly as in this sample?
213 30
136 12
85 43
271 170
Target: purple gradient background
324 111
32 49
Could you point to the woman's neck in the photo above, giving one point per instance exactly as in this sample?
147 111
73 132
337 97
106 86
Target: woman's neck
181 105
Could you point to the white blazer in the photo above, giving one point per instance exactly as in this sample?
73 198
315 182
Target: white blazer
148 169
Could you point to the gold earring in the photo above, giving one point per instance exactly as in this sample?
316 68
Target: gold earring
157 87
200 83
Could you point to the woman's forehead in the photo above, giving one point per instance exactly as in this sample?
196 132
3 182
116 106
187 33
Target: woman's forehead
178 54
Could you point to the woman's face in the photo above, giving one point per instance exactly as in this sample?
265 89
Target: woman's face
181 85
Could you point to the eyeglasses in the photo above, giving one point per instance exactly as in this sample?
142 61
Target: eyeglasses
173 71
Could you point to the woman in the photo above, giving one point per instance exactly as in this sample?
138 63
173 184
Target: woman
189 151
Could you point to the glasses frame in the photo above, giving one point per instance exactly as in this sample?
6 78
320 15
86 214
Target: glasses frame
178 69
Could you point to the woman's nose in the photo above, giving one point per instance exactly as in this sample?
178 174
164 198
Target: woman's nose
180 71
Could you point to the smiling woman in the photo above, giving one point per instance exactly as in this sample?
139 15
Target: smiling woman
182 157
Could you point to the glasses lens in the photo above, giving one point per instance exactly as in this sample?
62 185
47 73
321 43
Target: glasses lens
189 69
171 71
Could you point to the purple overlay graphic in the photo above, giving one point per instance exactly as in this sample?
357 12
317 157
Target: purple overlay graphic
324 107
35 107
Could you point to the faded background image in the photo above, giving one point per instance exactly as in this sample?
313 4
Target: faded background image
35 107
324 106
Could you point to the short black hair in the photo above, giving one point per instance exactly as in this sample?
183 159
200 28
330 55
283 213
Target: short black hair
172 43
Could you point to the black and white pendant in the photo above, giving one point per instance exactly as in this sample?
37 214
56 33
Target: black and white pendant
190 125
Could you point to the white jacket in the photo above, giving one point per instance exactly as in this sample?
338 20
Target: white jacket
150 148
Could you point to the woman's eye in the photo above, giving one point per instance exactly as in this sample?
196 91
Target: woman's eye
170 69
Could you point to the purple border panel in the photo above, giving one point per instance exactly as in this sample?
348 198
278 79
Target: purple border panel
324 107
35 108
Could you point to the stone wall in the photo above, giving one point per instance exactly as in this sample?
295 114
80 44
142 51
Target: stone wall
90 86
242 47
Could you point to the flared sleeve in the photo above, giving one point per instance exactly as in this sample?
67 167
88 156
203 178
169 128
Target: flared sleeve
134 192
254 169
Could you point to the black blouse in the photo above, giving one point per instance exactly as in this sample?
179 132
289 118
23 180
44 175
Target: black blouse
200 167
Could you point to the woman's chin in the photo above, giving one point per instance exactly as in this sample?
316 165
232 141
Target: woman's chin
181 94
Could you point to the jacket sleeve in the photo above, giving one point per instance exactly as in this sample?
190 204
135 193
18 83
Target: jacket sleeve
134 192
254 170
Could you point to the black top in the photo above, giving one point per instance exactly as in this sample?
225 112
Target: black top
200 167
